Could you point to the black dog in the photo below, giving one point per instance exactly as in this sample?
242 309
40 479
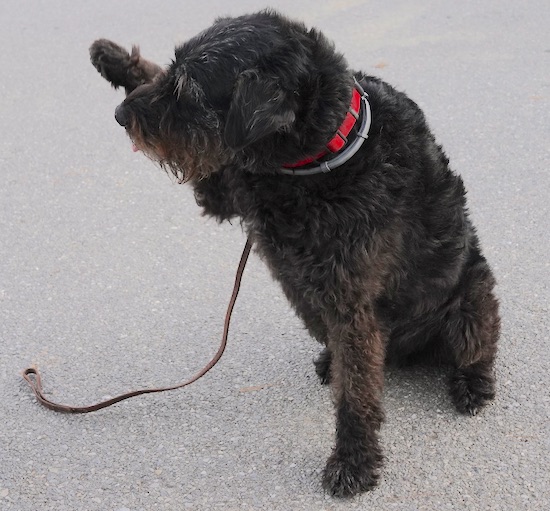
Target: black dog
346 196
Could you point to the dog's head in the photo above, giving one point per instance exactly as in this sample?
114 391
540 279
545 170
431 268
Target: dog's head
244 91
169 121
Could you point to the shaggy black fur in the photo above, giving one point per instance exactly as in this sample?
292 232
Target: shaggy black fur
378 257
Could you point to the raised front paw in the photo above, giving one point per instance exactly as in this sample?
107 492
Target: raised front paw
112 61
345 477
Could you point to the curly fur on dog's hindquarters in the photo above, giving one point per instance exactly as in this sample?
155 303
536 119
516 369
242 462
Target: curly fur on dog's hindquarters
378 257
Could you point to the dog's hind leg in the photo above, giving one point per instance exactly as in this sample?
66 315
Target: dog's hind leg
317 328
120 68
357 373
471 330
322 366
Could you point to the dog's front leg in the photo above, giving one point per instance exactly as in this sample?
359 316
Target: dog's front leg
357 373
120 68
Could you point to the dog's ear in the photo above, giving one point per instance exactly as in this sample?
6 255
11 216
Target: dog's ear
259 107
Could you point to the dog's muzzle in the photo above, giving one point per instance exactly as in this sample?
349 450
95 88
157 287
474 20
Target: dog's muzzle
121 115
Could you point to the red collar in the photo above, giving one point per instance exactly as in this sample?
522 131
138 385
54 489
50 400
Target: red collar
340 139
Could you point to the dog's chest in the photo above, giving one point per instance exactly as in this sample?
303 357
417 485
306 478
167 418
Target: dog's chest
297 225
286 213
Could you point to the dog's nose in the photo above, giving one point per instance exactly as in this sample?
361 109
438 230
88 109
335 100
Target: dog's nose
120 115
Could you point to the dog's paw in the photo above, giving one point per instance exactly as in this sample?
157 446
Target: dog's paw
343 478
322 366
470 390
112 61
120 68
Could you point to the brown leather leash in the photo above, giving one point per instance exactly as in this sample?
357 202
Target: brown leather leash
32 376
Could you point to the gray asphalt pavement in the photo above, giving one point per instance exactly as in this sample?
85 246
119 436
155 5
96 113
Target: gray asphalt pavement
110 279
